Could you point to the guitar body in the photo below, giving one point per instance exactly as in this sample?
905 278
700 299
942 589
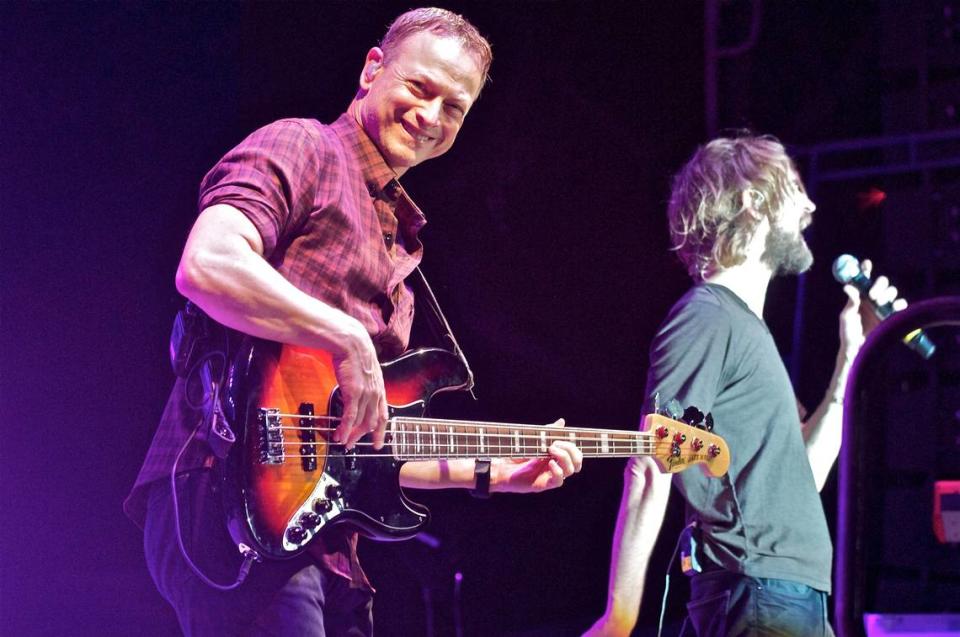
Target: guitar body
285 481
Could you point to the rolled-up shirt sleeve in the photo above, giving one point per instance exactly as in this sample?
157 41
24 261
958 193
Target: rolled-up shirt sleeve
271 177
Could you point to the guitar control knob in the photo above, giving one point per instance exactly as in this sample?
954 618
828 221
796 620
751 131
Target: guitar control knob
697 444
309 519
322 506
296 534
679 438
662 432
334 492
714 451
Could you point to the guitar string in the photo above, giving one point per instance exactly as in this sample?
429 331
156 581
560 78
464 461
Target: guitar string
567 434
495 442
639 442
587 453
503 431
511 451
588 436
429 449
408 421
437 438
528 453
401 451
419 455
536 443
409 456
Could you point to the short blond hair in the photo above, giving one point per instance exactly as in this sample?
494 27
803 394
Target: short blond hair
442 23
707 226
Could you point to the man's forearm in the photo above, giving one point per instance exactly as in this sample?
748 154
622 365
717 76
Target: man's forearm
506 475
823 430
438 474
640 517
222 271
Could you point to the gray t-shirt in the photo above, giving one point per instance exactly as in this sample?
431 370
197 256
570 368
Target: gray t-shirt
764 518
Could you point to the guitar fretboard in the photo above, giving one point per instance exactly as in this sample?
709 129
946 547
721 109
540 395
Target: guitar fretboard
427 438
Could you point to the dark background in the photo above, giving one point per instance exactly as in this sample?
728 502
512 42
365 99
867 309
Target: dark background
546 245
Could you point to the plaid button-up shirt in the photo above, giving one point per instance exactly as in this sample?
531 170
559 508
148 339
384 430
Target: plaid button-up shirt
336 224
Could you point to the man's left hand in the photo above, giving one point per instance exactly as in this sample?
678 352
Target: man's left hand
515 475
858 318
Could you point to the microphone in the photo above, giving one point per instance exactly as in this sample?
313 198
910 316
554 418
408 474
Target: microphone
846 270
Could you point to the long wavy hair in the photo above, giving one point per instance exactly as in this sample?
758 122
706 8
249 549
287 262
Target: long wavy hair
708 227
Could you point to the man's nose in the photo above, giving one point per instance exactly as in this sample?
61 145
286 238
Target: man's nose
428 115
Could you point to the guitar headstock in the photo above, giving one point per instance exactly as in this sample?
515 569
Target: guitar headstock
678 445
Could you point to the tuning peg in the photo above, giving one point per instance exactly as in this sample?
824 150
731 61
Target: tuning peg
708 423
674 410
692 416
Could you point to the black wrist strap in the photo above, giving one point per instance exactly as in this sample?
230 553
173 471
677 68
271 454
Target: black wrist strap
481 473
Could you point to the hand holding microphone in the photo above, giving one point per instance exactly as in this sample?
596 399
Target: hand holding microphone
880 296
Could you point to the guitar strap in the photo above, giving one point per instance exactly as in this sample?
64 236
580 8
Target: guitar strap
200 350
437 322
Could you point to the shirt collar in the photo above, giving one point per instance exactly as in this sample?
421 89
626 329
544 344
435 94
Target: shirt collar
381 180
376 173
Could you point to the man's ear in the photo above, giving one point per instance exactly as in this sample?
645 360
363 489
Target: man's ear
752 199
372 67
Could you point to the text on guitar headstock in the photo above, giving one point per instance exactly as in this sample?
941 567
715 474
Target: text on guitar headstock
678 445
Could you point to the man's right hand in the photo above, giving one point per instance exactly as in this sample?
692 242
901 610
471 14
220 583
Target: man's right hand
364 397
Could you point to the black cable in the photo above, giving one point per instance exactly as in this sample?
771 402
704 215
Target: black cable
249 555
666 588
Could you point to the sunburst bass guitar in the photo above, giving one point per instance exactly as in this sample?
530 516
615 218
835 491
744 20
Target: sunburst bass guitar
286 481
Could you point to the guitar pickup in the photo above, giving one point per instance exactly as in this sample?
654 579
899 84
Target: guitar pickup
308 436
271 436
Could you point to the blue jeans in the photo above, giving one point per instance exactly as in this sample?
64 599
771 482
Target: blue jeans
290 597
724 604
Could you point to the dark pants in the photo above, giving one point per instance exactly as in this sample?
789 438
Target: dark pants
724 604
288 597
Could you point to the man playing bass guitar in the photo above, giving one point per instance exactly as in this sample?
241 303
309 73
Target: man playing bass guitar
305 237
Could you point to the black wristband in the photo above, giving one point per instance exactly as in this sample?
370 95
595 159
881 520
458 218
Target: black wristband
481 473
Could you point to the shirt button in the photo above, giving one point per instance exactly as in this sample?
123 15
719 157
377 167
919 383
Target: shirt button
388 239
392 189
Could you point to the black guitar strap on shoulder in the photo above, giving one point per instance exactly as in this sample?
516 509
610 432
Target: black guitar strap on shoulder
438 324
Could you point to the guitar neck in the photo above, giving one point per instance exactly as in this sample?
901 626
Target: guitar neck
428 438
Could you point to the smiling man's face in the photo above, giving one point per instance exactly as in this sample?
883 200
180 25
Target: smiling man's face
416 100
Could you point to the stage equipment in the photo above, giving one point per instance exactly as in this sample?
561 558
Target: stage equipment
946 511
889 565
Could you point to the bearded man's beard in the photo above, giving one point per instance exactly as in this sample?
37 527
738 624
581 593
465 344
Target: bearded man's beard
786 253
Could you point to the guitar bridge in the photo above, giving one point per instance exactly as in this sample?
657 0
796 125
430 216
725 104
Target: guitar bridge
271 436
